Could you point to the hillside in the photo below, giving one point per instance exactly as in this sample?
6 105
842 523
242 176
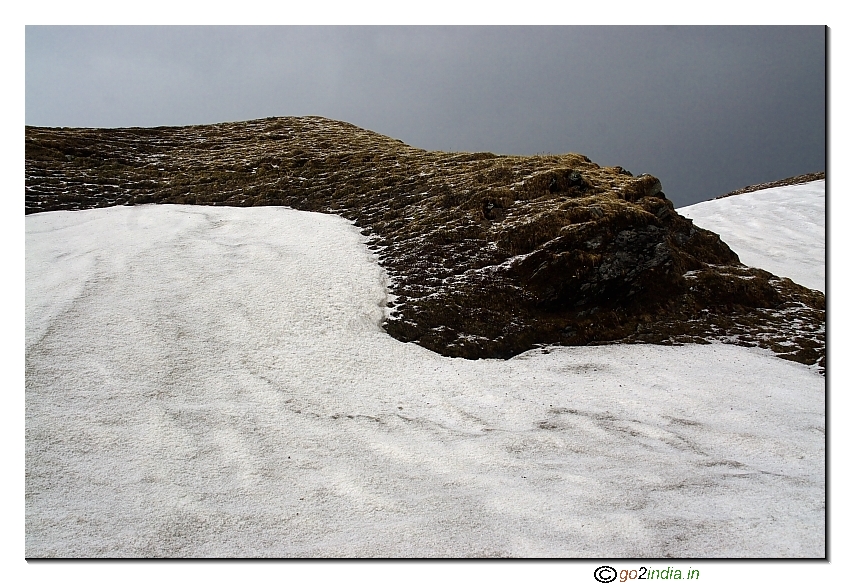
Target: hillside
488 256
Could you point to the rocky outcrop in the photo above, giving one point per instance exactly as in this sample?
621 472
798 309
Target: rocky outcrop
488 255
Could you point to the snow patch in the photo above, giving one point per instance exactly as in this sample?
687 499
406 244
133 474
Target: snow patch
781 230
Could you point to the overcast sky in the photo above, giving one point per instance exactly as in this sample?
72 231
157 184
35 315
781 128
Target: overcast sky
706 110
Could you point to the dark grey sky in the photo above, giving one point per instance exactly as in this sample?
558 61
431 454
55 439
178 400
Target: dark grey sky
705 109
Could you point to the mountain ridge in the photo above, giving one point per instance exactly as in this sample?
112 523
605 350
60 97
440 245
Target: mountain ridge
790 181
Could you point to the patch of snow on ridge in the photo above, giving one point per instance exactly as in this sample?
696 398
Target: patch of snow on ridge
781 230
219 385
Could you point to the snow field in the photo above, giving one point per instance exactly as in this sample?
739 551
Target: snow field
206 381
781 230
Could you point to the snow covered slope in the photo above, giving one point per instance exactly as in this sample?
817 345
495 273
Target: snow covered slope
781 230
206 381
